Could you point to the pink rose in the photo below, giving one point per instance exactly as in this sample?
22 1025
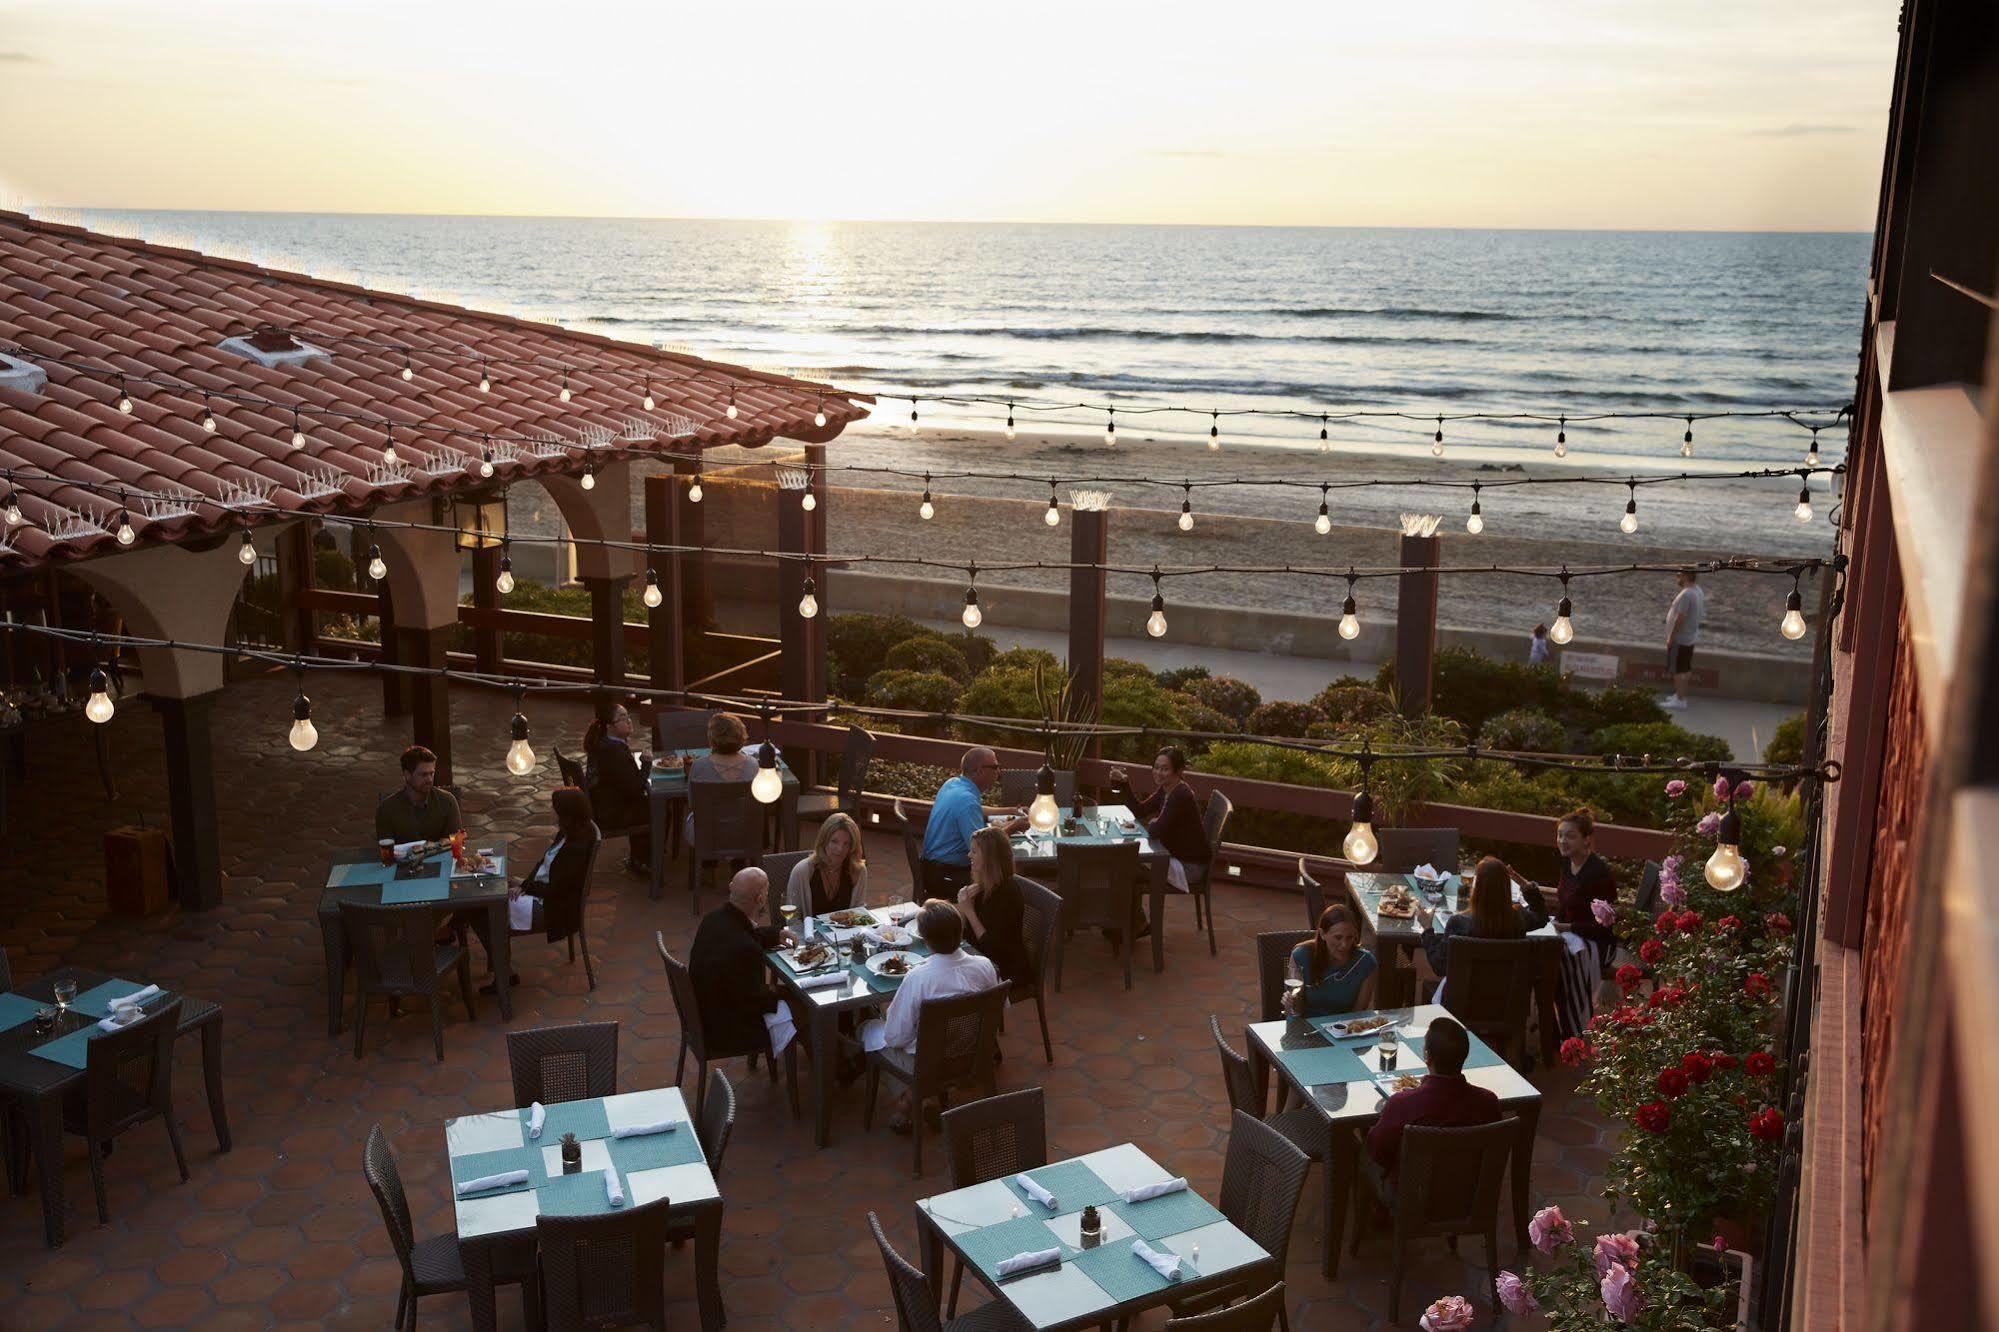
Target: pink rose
1721 788
1671 864
1453 1313
1675 789
1620 1293
1550 1230
1744 789
1709 825
1605 914
1672 894
1614 1250
1515 1296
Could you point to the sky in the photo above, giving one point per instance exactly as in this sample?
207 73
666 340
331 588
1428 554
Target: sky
1630 114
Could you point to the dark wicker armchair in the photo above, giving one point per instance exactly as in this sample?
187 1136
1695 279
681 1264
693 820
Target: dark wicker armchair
573 1063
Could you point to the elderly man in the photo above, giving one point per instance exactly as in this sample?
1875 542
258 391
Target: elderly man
725 963
948 972
419 810
957 812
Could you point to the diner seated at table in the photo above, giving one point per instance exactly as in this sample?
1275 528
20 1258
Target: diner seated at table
1586 880
550 897
615 778
835 876
948 972
993 908
725 760
956 813
1443 1099
1338 974
419 810
1490 914
1173 816
726 966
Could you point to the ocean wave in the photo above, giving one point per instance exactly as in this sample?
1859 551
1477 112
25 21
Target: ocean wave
1097 333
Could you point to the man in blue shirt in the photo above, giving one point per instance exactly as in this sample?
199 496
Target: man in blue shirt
957 812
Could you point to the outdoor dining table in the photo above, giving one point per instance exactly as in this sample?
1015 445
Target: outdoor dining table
1398 937
360 876
666 793
38 1069
500 1222
988 1223
1342 1078
1034 856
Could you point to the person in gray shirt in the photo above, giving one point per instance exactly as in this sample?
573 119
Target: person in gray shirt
1683 627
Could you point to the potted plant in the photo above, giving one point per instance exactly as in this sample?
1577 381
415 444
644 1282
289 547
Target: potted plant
1626 1279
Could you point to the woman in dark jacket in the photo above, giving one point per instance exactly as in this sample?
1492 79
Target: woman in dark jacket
993 908
617 783
1490 914
1586 880
1173 816
550 897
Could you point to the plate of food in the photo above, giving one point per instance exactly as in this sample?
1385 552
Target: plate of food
889 936
894 964
1359 1026
1397 904
810 954
1395 1082
854 918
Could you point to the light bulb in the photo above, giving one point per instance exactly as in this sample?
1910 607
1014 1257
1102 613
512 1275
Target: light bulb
808 606
208 420
912 418
808 501
246 553
648 402
1044 813
694 491
378 569
1361 845
485 384
1476 522
1349 620
1186 518
565 393
126 535
1214 443
1010 432
732 412
486 466
1437 447
520 754
304 735
1324 522
125 403
408 373
1725 870
1214 432
100 707
1054 515
1803 513
1687 447
1561 631
926 510
589 478
298 439
505 582
768 784
1629 522
1812 451
13 512
819 417
1110 434
1793 626
388 453
652 596
973 616
1155 624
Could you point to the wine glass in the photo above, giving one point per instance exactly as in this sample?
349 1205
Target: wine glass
65 995
790 913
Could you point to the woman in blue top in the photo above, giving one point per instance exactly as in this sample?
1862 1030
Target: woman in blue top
1338 974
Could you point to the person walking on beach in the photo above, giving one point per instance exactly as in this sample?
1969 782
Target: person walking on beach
1537 646
1683 626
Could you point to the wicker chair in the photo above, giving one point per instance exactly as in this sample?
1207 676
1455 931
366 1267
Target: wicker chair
571 770
680 730
956 1041
573 1063
694 1035
728 830
777 868
1099 886
432 1265
1041 930
395 956
1403 849
607 1270
992 1139
912 826
1259 1313
1200 878
1262 1179
582 912
127 1080
916 1305
6 972
1017 786
1491 989
1273 963
718 1120
1448 1184
1304 1127
845 798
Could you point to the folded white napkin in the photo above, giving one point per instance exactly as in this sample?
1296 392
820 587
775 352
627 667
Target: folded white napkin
782 1029
537 1116
1027 1262
120 1019
505 1179
1166 1264
134 999
614 1192
646 1130
873 1035
1035 1191
520 912
820 982
1144 1191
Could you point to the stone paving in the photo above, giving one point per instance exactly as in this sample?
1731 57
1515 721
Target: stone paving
282 1231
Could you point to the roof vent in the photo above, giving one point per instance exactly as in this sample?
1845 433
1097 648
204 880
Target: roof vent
24 376
272 347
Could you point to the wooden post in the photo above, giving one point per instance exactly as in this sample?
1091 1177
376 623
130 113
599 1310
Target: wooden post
1089 544
696 592
294 577
394 696
607 624
488 648
1416 623
430 695
666 623
190 758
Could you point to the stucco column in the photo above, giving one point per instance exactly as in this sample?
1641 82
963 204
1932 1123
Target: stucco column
601 513
423 589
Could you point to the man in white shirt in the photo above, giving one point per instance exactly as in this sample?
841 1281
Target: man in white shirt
948 973
1683 627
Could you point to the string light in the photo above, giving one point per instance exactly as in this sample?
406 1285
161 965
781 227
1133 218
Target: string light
126 536
485 379
589 481
768 784
819 416
1629 522
1325 442
1687 440
694 490
647 400
1054 515
377 568
1187 508
409 371
926 510
207 414
486 465
520 754
1009 422
1324 522
1812 450
303 735
246 553
652 596
1437 442
1214 432
1793 625
808 501
912 416
505 582
566 395
100 707
12 509
731 411
1562 439
389 445
124 397
1155 623
1044 814
298 429
1110 428
1725 869
1803 511
1360 845
1562 631
1349 611
808 603
1475 521
973 617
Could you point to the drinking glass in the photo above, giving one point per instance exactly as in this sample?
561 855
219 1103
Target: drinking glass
65 995
1385 1054
790 913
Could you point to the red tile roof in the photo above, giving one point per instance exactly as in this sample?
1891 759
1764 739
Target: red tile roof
148 311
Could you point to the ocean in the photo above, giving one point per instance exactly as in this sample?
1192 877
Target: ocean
1206 319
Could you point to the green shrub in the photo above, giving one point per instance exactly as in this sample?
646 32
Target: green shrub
1137 700
977 650
1025 659
1352 701
1469 688
918 781
936 655
1619 705
1181 676
859 645
1259 827
999 691
332 570
1787 742
1661 740
917 691
1198 716
1526 730
1289 720
1232 698
1119 668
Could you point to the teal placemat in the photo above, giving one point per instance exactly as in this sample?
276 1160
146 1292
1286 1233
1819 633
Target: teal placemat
1331 1063
655 1151
407 892
356 873
1156 1218
575 1195
1481 1056
879 984
992 1245
478 1165
1074 1185
586 1119
73 1049
1123 1274
14 1010
96 1000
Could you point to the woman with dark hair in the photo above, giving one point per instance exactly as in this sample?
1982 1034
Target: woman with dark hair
1173 816
550 898
616 780
1586 880
1338 974
1491 913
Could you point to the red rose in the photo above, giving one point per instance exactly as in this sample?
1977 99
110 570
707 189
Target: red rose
1759 1064
1727 925
1666 923
1651 951
1757 985
1653 1117
1669 997
1628 976
1766 1125
1725 1062
1672 1083
1575 1051
1777 923
1688 922
1697 1066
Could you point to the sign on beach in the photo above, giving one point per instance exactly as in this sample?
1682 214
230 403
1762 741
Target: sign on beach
1590 665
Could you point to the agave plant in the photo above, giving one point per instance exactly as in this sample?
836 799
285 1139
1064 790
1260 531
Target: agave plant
1060 703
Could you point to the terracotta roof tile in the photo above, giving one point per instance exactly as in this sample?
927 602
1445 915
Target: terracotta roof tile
125 307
